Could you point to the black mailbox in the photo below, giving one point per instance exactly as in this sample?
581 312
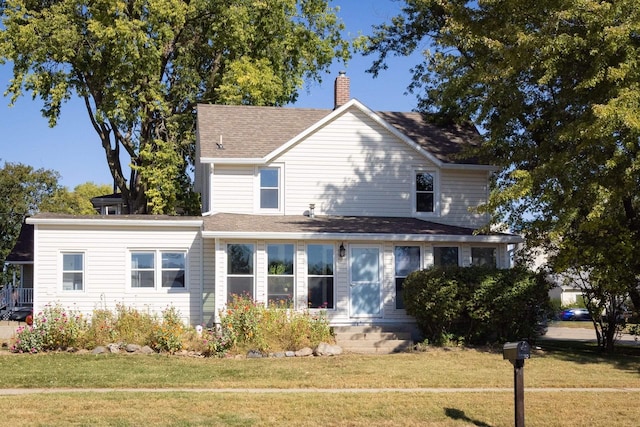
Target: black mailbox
516 350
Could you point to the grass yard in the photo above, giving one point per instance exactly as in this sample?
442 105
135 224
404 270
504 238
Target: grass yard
557 365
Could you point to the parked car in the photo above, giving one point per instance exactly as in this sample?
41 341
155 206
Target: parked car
575 314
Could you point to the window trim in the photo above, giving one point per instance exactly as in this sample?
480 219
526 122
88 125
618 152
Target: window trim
436 193
258 189
83 271
157 270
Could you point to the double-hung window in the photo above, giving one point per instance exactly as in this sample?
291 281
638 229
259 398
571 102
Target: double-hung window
445 255
280 274
270 188
73 271
240 271
485 257
407 260
320 277
147 272
425 193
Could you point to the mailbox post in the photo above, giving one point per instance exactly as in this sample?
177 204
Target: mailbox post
516 353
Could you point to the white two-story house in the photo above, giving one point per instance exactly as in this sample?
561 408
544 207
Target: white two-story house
322 209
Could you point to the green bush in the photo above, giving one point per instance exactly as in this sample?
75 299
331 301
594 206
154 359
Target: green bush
53 329
476 305
169 334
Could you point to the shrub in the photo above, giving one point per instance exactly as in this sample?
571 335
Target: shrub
54 328
169 334
246 324
475 304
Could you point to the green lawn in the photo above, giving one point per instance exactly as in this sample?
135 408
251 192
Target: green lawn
554 365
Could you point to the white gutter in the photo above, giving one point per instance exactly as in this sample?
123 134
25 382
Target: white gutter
364 236
116 222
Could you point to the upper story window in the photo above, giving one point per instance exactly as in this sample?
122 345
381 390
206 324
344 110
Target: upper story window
73 271
270 188
484 257
425 198
147 273
240 271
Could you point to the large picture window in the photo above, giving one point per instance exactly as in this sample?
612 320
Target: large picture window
240 270
407 260
73 271
321 291
425 192
270 188
280 274
147 273
445 255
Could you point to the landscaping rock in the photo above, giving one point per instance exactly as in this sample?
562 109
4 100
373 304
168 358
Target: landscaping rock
146 350
114 348
99 350
254 354
325 349
303 352
133 348
290 353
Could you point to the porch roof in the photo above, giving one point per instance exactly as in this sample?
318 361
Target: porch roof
342 227
22 252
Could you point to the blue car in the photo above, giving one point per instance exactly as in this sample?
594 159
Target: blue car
575 314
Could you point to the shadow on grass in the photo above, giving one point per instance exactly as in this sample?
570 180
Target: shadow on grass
457 414
623 357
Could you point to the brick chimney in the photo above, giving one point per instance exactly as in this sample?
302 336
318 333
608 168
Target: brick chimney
341 89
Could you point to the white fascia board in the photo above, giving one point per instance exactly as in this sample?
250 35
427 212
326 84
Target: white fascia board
460 166
233 161
116 222
365 237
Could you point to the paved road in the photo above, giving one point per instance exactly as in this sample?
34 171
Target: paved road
584 334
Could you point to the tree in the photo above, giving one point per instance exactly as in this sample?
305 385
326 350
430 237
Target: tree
76 202
22 190
555 88
141 67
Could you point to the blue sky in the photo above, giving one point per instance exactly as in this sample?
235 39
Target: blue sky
73 149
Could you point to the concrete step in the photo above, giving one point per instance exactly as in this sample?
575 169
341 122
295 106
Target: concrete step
373 339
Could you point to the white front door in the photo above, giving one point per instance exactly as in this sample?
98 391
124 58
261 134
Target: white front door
365 281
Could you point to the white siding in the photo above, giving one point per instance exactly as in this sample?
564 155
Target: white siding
106 271
461 192
352 166
233 189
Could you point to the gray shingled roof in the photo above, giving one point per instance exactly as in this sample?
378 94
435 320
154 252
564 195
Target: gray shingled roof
243 223
22 251
253 132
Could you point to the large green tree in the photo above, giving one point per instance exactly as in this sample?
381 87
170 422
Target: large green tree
554 85
141 67
22 190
